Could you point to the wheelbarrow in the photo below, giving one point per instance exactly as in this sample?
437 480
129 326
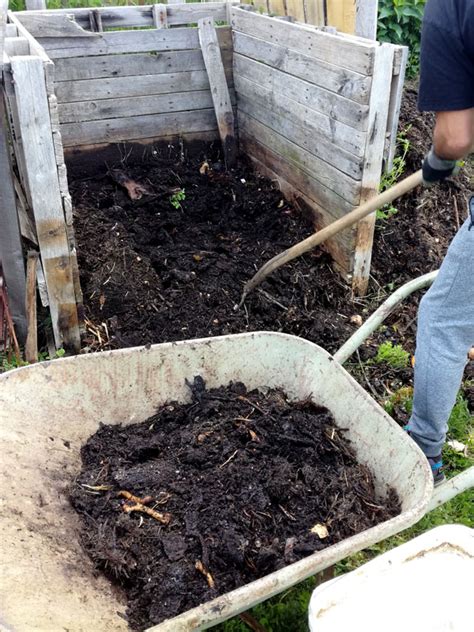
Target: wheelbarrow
48 410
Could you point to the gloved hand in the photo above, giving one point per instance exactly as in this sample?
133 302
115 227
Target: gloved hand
436 169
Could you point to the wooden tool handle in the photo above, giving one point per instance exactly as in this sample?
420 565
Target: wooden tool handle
354 216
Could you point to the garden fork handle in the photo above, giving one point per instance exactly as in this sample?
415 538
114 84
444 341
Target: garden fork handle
354 216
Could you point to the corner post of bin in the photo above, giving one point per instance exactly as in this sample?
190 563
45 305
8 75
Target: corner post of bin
31 93
374 152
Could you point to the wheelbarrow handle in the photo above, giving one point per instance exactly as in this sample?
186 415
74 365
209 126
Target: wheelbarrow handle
351 218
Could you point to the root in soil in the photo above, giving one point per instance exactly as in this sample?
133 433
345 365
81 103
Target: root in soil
248 481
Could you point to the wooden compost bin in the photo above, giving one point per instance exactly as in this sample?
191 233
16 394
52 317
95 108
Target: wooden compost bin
317 111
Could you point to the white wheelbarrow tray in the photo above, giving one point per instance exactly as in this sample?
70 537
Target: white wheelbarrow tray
47 412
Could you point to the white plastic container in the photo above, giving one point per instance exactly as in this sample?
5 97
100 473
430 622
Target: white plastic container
425 584
48 411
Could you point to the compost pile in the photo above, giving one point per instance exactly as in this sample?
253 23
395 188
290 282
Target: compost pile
172 264
207 496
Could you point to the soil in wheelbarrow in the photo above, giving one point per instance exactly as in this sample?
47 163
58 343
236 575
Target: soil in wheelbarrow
230 487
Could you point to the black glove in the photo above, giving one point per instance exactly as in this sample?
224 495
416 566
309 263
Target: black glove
436 169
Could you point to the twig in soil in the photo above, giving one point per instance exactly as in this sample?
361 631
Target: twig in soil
272 299
252 623
199 566
287 513
242 398
164 518
135 499
228 460
456 212
97 488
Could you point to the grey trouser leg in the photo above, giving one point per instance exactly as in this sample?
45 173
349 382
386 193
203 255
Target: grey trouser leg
444 336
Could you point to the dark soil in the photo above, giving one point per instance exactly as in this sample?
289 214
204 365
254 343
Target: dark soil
154 273
245 477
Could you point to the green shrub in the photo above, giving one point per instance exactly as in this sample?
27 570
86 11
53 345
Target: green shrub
394 355
399 22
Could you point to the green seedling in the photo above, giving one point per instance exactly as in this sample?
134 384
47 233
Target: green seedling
177 198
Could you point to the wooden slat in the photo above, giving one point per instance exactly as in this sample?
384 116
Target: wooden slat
94 89
17 46
342 15
332 181
115 42
31 345
336 107
160 19
133 65
30 89
219 89
72 153
333 204
49 24
136 127
119 108
321 126
330 48
341 246
346 83
11 253
300 133
11 30
366 18
137 16
396 93
379 107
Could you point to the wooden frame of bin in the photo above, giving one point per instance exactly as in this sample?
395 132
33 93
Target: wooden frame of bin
317 112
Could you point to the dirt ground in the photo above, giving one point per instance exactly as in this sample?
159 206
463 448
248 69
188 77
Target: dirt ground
245 483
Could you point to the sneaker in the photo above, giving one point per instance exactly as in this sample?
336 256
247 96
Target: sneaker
437 469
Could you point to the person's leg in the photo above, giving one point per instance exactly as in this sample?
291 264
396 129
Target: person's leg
445 334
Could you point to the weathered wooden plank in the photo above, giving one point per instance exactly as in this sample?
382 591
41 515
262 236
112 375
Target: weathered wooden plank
160 19
33 110
72 153
342 15
219 89
379 107
357 56
396 93
11 30
11 253
339 247
119 108
298 132
95 22
366 18
51 24
346 83
336 107
322 127
31 345
299 178
32 5
137 127
331 179
95 89
35 49
16 46
139 16
115 42
133 65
